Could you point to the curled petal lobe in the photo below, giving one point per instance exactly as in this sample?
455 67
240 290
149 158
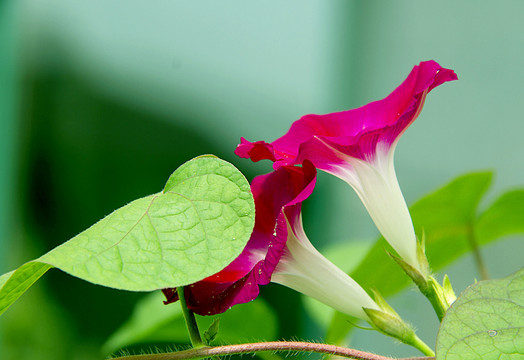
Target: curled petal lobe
256 151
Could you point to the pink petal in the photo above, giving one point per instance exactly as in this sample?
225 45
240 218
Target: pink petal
325 139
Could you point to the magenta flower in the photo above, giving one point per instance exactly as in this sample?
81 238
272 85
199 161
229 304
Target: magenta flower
278 251
357 146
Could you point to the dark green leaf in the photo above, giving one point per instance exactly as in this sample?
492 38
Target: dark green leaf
154 322
149 315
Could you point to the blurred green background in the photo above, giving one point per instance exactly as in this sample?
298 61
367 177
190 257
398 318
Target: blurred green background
101 100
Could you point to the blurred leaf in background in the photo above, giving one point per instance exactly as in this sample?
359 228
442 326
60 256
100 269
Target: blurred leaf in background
452 225
152 322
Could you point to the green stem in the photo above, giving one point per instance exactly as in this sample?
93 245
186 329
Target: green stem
189 317
481 265
286 346
417 343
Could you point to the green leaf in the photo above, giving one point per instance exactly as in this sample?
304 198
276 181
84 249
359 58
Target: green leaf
154 322
212 331
149 315
193 229
504 217
250 322
446 218
15 283
486 322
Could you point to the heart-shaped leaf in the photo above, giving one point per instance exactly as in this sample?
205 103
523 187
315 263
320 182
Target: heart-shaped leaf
193 229
486 322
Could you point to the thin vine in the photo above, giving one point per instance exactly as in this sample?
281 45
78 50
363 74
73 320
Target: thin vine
278 346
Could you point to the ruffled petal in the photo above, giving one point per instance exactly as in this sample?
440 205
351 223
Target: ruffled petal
322 139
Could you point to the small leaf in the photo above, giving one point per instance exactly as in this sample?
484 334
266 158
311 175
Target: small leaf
212 331
193 229
486 322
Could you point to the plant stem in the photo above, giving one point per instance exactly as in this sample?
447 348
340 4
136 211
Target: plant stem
288 346
481 265
189 317
417 343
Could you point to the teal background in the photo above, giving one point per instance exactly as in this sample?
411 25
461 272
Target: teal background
102 100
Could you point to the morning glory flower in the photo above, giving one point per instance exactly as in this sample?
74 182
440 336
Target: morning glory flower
278 251
358 146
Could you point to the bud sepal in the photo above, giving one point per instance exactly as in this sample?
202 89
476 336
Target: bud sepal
387 321
440 296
